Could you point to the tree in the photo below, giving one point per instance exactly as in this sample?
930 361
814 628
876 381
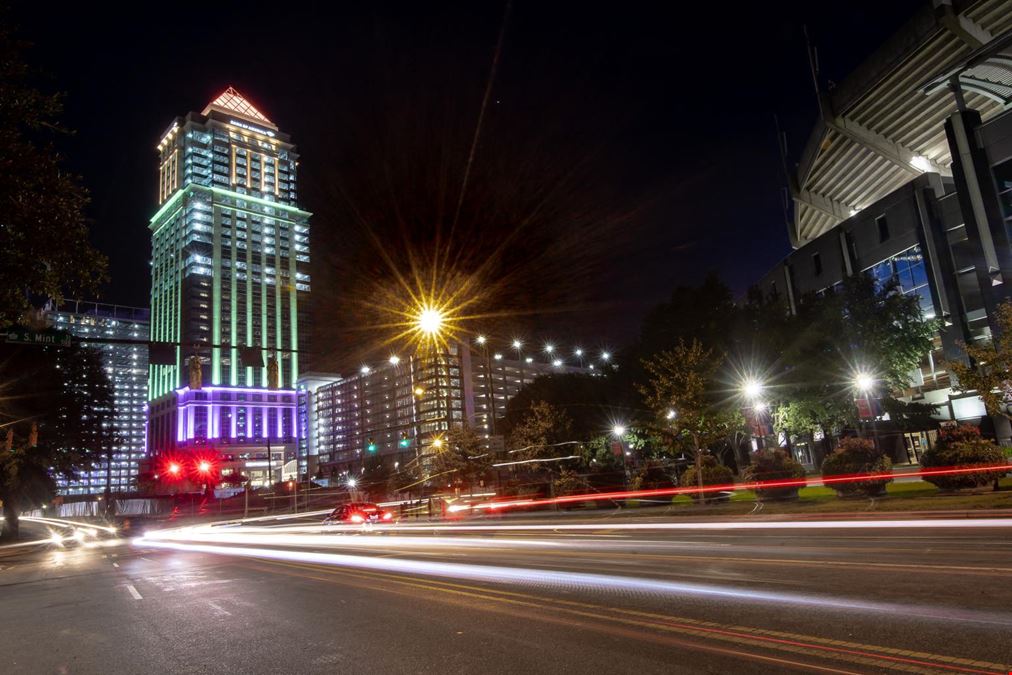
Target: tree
989 371
544 432
683 395
588 401
860 326
43 233
462 458
58 403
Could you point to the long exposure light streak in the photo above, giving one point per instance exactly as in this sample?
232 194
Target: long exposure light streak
602 582
60 522
732 487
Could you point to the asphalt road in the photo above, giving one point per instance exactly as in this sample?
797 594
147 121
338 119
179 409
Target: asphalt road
561 595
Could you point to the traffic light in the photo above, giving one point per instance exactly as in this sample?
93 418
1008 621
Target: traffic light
405 442
204 466
174 469
371 445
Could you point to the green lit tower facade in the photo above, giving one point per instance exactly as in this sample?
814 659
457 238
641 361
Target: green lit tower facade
230 250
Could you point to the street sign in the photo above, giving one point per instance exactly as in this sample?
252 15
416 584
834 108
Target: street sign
24 336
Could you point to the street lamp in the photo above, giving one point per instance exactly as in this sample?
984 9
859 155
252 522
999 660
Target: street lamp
618 430
481 339
394 359
605 356
670 415
419 392
864 382
752 389
430 321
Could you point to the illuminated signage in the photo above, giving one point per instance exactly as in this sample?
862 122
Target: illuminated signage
250 127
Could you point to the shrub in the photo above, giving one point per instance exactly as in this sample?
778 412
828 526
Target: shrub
774 464
714 473
963 447
857 455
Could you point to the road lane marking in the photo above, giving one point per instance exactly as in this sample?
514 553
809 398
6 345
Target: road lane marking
133 592
958 569
218 608
638 634
115 564
896 658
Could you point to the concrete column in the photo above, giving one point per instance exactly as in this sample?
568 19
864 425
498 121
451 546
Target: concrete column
978 203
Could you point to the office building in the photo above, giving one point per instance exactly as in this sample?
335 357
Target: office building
126 365
229 286
395 409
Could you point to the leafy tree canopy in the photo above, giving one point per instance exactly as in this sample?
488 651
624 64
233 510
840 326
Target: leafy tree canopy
43 233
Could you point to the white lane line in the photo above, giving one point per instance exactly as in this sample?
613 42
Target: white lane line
115 564
218 608
145 559
133 592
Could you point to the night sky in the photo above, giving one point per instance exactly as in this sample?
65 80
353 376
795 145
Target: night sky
626 148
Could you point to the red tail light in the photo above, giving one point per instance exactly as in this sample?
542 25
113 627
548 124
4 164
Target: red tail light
357 518
387 515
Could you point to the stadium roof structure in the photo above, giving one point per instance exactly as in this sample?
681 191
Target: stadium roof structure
884 124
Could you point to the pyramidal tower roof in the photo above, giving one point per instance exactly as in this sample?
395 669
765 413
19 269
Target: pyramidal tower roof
233 103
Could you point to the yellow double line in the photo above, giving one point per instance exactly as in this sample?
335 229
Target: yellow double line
608 618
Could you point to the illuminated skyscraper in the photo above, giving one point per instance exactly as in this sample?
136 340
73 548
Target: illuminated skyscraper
229 284
230 247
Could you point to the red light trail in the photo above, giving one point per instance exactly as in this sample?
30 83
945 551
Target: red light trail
733 487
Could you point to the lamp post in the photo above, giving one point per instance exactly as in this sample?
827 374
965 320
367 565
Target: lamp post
864 383
752 390
618 431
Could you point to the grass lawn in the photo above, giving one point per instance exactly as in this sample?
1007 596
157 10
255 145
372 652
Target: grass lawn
906 496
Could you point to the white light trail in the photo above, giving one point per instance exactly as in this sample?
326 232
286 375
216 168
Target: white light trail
529 576
537 461
60 522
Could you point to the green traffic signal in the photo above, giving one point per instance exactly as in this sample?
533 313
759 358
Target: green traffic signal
371 446
405 442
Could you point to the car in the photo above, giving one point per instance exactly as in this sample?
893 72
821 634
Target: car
358 513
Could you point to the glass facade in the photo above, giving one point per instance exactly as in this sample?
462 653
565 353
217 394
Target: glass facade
908 270
230 249
127 368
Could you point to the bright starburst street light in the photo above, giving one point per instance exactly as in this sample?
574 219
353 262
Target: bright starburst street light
557 363
578 352
481 339
864 382
517 344
670 415
549 348
752 389
605 356
429 321
351 482
437 442
618 430
394 359
365 370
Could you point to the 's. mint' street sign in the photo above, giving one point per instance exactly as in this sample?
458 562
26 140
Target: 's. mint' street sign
24 336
